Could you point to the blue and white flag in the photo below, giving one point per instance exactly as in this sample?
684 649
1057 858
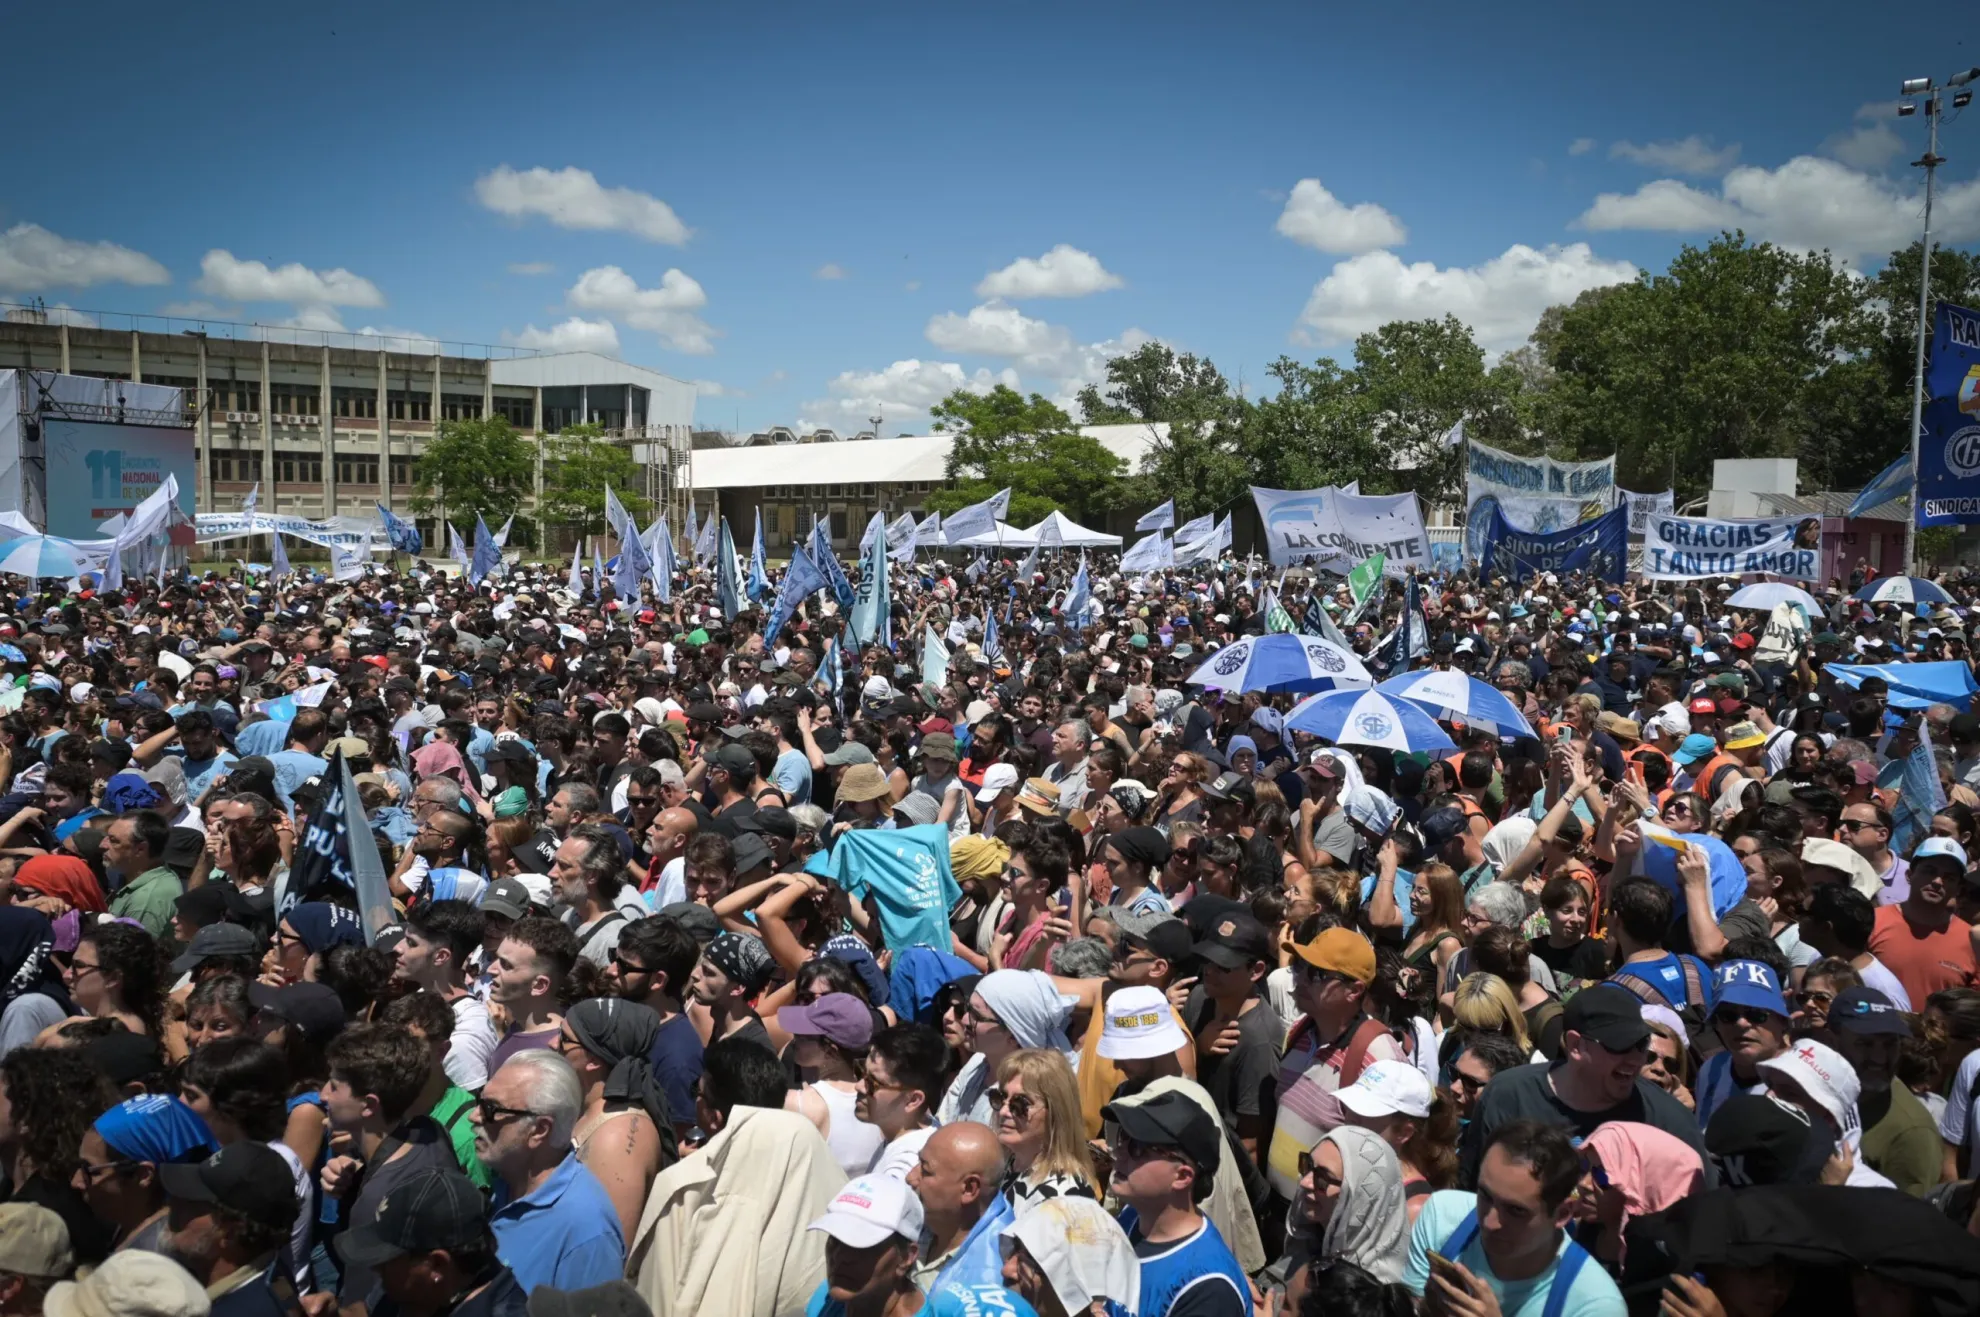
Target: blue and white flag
597 572
934 657
828 564
1162 518
575 582
1029 566
616 517
1894 481
1079 596
253 500
978 518
634 565
1949 443
1319 623
502 535
993 645
1150 553
928 531
1599 547
834 669
705 542
404 536
872 612
802 579
486 556
728 585
1411 638
874 525
759 569
1196 528
1919 798
458 550
281 559
899 530
347 562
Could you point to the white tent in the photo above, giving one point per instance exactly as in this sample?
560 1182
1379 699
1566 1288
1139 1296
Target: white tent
1006 536
1071 534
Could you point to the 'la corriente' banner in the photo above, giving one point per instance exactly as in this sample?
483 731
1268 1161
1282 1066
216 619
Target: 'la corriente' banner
1337 524
1689 548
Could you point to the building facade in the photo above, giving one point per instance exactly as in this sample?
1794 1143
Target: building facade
331 424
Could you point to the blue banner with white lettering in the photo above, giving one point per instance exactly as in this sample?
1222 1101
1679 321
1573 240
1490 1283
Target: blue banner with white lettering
1599 548
1949 437
1692 548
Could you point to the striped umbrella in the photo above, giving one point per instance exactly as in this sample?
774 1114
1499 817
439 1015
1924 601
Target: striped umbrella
1355 717
1902 590
39 556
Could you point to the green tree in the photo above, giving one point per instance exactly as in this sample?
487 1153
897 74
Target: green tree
579 467
1005 440
480 466
1197 460
1415 379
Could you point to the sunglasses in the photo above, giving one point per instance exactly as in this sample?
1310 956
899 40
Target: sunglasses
1020 1105
1321 1179
493 1112
1742 1015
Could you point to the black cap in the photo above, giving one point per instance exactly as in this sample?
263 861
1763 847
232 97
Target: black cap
778 822
314 1008
1608 1015
217 940
704 713
700 921
1170 1120
249 1177
1231 786
751 852
1439 826
1867 1011
1965 727
506 896
511 751
735 760
427 1211
1235 942
1755 1138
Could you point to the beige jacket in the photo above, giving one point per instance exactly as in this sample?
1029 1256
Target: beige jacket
723 1232
1228 1208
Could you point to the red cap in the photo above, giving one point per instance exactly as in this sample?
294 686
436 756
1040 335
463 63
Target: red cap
1703 704
933 725
1744 640
376 660
1729 705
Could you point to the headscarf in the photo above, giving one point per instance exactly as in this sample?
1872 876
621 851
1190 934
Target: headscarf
1082 1250
978 857
1653 1169
156 1128
1370 1225
620 1033
64 877
26 943
127 791
1032 1010
511 802
321 925
439 758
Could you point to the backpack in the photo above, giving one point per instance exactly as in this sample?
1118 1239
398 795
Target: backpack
1703 1039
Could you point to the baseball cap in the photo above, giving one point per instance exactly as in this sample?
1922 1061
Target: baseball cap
1439 826
1867 1011
837 1017
750 853
938 745
1161 932
429 1210
1321 763
1171 1120
1748 983
506 896
1231 786
700 921
249 1177
1695 747
314 1008
1940 846
1702 704
130 1281
870 1211
1388 1088
1822 1076
1138 1023
1609 1015
1341 951
1755 1138
216 940
34 1242
997 777
1235 943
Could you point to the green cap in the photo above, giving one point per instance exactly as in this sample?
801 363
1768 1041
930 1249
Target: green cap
697 637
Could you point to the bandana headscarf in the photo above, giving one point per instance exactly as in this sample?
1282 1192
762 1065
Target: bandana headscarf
978 857
321 925
156 1128
64 877
1653 1169
513 801
127 791
439 758
1370 1225
1032 1010
26 941
620 1033
744 959
1082 1250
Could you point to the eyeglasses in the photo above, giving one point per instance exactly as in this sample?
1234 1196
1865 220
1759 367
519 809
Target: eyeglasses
624 966
1321 1179
1853 824
1020 1105
1814 998
94 1171
983 1021
493 1112
1742 1015
1128 1149
1677 811
78 968
1459 1079
633 801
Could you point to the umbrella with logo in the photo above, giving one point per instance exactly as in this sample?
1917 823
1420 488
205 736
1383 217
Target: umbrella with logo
1454 696
1902 590
1358 717
1282 661
1767 594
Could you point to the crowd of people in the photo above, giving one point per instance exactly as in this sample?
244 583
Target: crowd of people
739 975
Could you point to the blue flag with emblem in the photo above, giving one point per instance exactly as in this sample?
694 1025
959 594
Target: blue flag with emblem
759 571
405 536
993 644
280 566
487 556
634 566
834 671
828 565
802 579
872 618
1412 633
1080 595
659 542
728 586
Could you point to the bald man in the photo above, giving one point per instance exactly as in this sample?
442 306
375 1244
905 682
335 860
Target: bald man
956 1179
667 840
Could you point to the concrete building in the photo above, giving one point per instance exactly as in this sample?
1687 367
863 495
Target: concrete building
330 423
846 482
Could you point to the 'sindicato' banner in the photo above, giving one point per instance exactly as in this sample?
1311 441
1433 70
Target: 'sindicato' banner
1949 442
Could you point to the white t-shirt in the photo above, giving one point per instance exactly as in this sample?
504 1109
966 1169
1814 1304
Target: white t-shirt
1875 975
1957 1122
672 887
472 1043
901 1156
305 1223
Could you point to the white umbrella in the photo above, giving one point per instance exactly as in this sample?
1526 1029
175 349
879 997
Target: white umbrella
1902 590
1281 661
40 556
1766 594
1452 694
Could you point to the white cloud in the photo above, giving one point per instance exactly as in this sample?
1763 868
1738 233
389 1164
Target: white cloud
1314 218
1692 155
1807 204
33 260
667 310
900 392
1581 146
1065 271
200 309
717 389
61 313
829 270
310 323
998 329
912 285
1873 143
222 274
573 335
531 267
572 198
1500 299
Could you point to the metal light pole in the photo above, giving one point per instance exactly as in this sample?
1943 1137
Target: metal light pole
1929 162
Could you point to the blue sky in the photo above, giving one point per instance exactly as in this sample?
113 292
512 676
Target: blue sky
819 215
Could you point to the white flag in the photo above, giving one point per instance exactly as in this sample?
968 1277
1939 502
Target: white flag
1149 554
347 561
978 518
1162 518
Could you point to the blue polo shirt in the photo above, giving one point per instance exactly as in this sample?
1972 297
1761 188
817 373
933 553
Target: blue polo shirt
565 1234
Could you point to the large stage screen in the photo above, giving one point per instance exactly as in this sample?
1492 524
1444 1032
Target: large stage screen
97 470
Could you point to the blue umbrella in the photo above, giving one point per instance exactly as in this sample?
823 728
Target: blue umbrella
39 556
1902 590
1357 717
1282 661
1453 695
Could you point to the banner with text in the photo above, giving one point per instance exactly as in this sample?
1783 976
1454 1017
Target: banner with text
1599 548
1642 507
1949 438
1690 548
349 532
1323 524
1535 494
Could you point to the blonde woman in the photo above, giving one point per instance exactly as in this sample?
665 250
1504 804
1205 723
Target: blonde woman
1484 1004
1035 1108
1181 793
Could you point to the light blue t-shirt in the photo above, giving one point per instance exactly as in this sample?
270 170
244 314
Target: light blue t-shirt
1592 1295
1404 880
792 774
292 769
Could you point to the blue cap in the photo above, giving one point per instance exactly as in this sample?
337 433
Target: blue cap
156 1128
1696 746
1749 983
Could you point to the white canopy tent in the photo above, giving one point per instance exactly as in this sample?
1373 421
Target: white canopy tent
1071 534
1005 536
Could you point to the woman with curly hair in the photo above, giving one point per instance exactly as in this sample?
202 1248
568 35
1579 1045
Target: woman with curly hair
48 1097
117 972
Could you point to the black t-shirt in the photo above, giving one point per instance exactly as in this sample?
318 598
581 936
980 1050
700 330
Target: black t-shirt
1244 1080
1527 1093
89 1237
1587 959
